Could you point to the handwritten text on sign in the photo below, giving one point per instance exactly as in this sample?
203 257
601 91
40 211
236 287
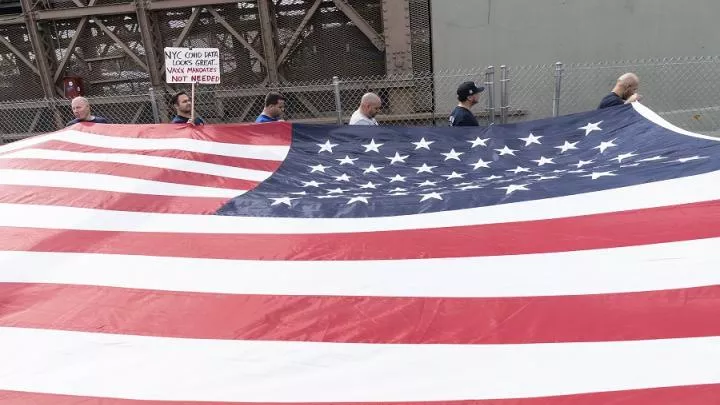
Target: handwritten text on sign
196 65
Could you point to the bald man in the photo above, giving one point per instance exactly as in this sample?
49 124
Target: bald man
625 91
81 111
365 114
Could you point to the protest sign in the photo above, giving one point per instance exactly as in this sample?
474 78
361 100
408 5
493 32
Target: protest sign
192 65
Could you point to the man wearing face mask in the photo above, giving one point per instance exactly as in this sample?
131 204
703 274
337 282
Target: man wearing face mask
468 95
624 92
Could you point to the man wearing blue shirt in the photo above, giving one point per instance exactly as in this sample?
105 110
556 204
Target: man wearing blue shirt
468 95
81 110
183 109
624 92
274 108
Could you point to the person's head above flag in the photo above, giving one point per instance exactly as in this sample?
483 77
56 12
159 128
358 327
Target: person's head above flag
467 90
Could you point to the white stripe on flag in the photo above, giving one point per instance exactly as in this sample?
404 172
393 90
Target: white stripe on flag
603 271
655 118
104 182
686 190
265 152
157 368
142 160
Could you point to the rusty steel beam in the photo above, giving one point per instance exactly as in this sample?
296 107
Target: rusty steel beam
113 9
396 28
291 42
44 70
18 19
266 13
237 36
188 26
121 44
71 48
362 25
149 38
19 54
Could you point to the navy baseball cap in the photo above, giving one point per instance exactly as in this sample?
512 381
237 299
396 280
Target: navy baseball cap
467 89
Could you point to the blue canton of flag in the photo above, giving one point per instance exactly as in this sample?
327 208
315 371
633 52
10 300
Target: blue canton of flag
386 171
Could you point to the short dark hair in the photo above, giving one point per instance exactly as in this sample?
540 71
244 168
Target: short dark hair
273 98
174 99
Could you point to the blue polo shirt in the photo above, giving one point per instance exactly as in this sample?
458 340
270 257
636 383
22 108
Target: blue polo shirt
265 118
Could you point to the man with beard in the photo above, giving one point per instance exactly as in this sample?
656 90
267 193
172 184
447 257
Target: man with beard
468 95
365 114
183 109
625 91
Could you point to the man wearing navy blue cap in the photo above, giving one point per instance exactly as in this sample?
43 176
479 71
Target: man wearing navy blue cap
468 95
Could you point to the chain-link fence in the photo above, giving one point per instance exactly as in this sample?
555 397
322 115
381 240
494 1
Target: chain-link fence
684 91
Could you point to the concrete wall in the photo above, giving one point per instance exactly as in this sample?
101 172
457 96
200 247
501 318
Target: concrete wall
525 32
478 33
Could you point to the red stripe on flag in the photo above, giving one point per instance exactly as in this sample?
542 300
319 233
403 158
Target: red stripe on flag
617 229
108 200
666 314
276 133
688 395
130 171
246 163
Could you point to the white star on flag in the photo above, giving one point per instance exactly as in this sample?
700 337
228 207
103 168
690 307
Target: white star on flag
493 177
652 159
688 159
543 161
435 196
347 160
343 177
326 147
372 146
547 177
506 151
591 127
531 139
519 170
318 168
478 142
582 163
423 144
397 177
567 146
311 184
398 190
424 168
513 188
597 175
372 169
453 175
426 183
453 155
397 158
358 199
605 145
369 184
336 191
480 163
472 187
624 156
283 200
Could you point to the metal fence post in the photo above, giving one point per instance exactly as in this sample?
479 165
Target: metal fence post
504 102
490 88
558 87
338 102
153 103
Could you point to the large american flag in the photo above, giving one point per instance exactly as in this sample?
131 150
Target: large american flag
563 261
